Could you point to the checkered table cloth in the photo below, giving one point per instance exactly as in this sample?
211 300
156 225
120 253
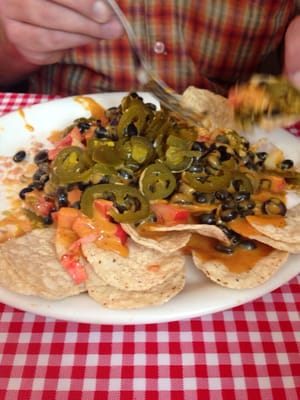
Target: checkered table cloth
251 352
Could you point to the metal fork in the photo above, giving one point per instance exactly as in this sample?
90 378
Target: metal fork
164 94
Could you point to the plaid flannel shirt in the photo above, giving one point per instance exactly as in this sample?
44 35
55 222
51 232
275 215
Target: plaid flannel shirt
209 44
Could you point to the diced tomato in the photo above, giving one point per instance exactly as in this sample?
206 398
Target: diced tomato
74 195
64 142
73 138
169 214
101 210
66 216
76 246
89 133
36 202
102 207
84 226
278 184
100 229
44 207
121 234
74 267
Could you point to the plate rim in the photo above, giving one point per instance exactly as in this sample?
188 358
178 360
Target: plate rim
170 311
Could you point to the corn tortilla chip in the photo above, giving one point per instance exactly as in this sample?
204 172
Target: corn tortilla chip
290 233
293 248
215 107
212 231
264 268
112 297
141 270
11 280
168 243
34 258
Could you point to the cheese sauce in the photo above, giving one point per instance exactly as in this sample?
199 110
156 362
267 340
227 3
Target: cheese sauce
92 106
242 260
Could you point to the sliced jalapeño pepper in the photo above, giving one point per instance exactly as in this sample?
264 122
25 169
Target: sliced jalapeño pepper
141 149
107 154
68 165
137 114
208 184
129 205
177 156
157 182
160 124
242 182
61 176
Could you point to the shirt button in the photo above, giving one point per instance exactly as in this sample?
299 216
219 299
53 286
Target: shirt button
159 48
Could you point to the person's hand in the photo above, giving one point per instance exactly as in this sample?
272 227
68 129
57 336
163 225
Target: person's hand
292 52
41 31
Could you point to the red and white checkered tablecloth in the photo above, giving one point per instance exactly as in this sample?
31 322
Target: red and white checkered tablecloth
249 352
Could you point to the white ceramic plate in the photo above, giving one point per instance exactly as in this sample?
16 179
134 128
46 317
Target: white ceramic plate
199 297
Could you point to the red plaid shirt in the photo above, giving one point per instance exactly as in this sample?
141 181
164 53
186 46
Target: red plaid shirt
209 44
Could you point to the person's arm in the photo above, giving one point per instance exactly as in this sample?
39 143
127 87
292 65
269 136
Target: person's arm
14 68
292 52
38 33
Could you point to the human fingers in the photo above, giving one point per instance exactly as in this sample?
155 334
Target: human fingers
44 30
87 17
97 10
43 46
292 52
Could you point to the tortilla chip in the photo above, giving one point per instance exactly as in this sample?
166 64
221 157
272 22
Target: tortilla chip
11 280
290 233
141 270
212 231
217 271
214 106
112 297
293 248
34 259
168 243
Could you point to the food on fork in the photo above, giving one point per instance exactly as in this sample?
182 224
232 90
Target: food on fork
266 101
